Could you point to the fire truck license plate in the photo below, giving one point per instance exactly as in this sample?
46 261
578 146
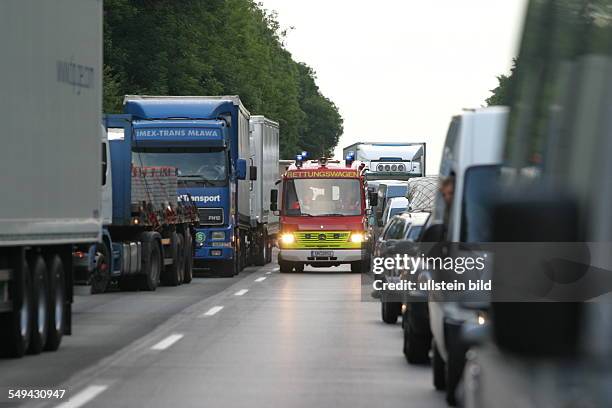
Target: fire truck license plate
322 254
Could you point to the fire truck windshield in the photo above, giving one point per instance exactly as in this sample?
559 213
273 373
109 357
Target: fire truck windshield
322 197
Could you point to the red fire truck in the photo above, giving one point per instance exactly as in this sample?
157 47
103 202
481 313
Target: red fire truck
322 214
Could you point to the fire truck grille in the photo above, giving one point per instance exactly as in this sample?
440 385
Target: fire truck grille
322 239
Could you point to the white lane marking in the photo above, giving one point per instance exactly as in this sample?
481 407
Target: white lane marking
263 278
276 269
167 342
268 273
241 292
84 396
213 311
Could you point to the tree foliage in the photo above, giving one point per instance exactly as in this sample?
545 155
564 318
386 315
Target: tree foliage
502 94
216 47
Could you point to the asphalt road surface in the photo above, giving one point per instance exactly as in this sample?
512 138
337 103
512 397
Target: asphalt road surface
262 339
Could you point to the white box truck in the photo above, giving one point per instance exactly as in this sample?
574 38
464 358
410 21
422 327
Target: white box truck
50 110
265 157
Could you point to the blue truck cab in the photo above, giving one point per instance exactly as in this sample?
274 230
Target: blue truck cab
207 140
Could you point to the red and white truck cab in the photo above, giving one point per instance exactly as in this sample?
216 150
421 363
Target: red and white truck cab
322 214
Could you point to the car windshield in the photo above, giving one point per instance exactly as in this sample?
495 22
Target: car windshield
413 233
195 167
478 196
323 197
396 211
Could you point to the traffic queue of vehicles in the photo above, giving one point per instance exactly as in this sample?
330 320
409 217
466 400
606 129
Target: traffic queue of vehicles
135 199
536 172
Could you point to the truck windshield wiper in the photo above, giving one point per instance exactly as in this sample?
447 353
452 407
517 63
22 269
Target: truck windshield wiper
196 178
331 215
306 215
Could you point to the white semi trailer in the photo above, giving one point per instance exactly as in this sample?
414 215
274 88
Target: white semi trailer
50 110
264 156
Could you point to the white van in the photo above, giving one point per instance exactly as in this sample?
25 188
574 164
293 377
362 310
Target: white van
470 159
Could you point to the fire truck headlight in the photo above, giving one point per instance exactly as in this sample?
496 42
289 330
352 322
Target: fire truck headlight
357 237
287 238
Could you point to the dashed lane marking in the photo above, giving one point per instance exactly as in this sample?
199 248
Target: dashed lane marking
167 342
213 311
84 396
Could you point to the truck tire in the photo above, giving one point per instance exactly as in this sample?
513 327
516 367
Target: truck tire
40 302
188 276
438 368
390 311
262 250
151 263
17 325
228 269
356 267
171 275
284 266
180 257
100 277
270 246
57 298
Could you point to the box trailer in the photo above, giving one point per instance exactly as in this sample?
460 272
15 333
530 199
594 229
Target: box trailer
264 156
50 110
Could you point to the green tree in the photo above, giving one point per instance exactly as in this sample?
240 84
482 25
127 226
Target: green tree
502 94
216 47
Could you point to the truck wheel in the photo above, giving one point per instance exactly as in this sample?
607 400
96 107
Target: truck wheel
390 312
151 264
356 267
17 325
171 273
100 277
180 257
40 298
188 276
227 269
284 266
262 250
57 299
438 369
270 246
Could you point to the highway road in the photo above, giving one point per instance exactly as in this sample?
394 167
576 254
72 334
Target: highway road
262 339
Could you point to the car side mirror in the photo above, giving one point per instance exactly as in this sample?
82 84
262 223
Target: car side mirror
534 328
252 173
241 166
274 200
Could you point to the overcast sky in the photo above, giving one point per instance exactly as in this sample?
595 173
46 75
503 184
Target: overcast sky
399 69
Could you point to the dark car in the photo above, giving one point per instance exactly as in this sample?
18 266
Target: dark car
402 231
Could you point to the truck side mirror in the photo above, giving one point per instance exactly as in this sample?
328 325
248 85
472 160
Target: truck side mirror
241 166
252 173
274 200
373 197
532 328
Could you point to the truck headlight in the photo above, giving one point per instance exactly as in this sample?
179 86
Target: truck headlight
357 237
287 238
217 236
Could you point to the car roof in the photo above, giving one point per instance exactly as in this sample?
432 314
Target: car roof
398 202
418 218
